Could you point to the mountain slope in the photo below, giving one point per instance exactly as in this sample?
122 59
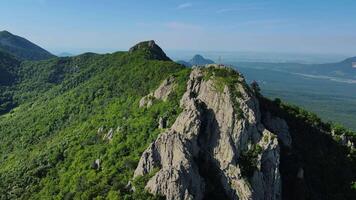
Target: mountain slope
50 141
8 66
21 48
88 127
8 75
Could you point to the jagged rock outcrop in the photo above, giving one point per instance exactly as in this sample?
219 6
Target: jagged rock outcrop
161 93
216 148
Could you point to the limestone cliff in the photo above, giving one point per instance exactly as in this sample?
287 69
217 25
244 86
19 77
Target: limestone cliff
218 147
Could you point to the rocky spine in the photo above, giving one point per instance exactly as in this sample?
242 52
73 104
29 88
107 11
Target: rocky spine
217 147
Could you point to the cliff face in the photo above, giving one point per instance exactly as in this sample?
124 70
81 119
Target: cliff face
218 147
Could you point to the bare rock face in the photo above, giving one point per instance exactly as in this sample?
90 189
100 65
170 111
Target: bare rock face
161 93
217 147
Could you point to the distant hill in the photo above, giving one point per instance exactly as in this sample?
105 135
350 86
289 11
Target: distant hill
65 54
344 69
21 48
196 60
150 50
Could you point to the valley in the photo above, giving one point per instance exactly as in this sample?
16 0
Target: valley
333 100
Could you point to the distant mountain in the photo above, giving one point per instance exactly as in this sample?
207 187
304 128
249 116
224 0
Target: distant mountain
200 60
150 50
65 54
196 60
21 48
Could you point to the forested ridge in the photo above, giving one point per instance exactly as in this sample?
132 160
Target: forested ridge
56 115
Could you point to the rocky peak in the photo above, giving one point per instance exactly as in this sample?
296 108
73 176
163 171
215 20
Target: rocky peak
217 147
152 50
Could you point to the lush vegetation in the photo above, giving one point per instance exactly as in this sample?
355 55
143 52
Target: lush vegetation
249 161
49 142
8 67
54 115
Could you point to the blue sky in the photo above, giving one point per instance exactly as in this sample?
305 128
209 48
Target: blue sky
308 26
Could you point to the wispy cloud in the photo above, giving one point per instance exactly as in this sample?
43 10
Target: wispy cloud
184 5
241 7
181 26
264 22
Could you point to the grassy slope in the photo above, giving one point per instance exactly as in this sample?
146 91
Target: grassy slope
51 157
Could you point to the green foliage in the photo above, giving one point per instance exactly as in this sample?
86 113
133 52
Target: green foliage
249 160
49 142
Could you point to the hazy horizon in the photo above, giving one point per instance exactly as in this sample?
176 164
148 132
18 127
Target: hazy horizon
308 27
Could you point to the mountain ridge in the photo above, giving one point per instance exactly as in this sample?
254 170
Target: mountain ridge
97 126
21 48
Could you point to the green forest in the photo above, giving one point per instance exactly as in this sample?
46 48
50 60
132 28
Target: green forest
55 114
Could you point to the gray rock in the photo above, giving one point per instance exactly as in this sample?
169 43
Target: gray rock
161 93
100 130
109 135
209 136
162 123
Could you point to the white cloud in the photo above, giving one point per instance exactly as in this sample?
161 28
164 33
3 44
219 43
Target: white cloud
184 5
